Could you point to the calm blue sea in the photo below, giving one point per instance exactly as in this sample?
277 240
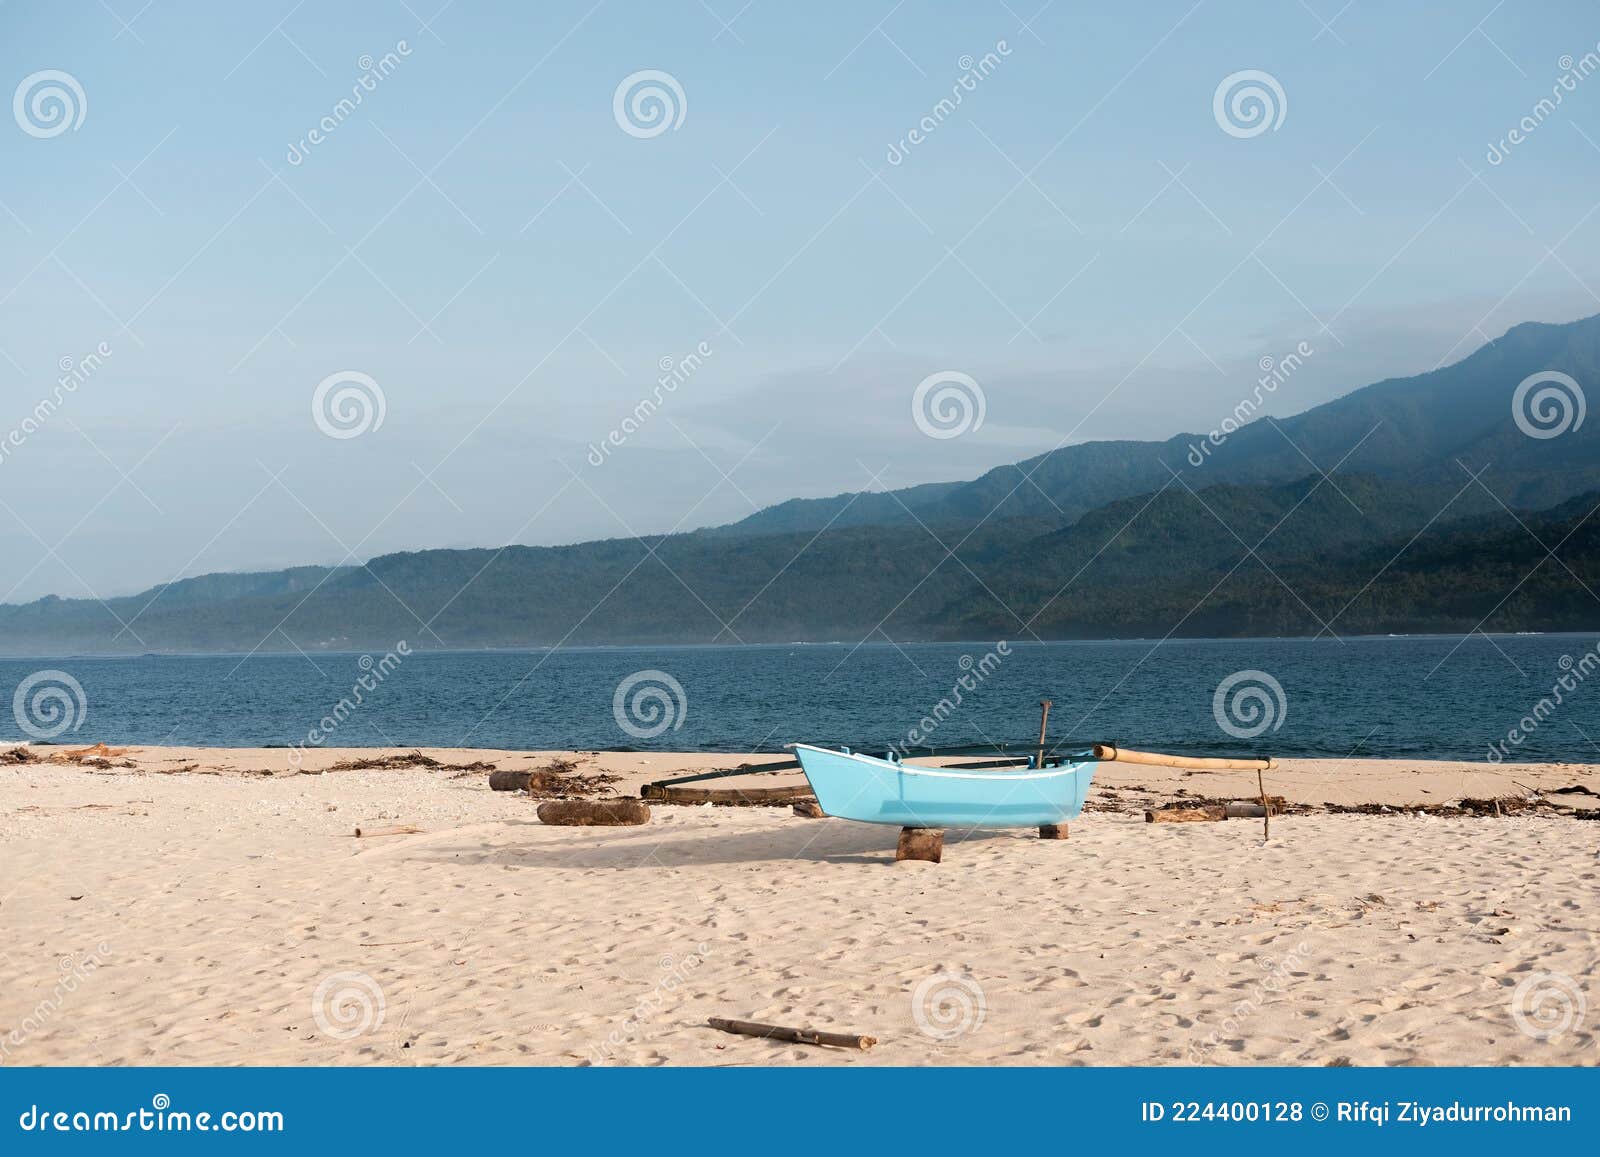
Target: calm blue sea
1416 696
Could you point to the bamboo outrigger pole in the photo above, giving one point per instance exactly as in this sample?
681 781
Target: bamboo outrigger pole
1044 718
1109 752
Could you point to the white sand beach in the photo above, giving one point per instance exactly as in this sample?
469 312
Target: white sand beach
212 906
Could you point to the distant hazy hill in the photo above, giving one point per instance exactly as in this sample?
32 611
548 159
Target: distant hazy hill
1107 543
1416 430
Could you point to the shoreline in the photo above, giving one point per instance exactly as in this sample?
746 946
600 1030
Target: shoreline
1309 783
539 648
269 756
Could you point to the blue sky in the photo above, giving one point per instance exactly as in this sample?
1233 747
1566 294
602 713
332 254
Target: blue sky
483 240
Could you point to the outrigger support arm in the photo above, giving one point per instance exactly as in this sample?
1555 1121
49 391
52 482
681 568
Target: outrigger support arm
1110 752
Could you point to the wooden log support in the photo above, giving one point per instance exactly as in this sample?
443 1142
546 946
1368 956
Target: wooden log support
810 809
1186 815
734 796
1110 752
799 1036
1052 831
589 813
925 844
509 780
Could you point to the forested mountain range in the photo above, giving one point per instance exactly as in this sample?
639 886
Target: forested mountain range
1440 512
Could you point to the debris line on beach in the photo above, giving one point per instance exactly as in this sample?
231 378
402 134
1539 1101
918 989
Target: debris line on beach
403 762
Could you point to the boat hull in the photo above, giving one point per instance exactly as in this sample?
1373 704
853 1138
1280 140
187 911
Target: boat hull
877 791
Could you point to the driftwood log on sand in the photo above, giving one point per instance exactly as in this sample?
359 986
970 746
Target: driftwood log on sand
1237 810
800 1036
587 813
393 830
1186 815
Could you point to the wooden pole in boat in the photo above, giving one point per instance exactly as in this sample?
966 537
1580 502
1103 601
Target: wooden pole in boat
1047 831
1044 718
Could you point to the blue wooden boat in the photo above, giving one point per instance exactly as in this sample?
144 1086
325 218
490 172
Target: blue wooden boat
877 790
